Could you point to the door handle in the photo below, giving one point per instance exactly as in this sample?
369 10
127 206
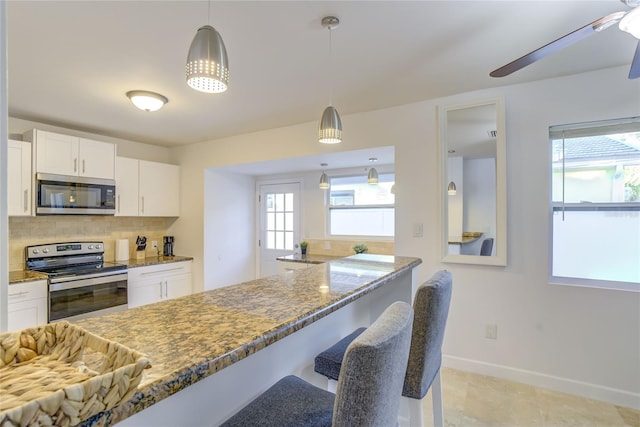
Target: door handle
26 200
142 204
75 164
118 203
166 289
160 290
83 164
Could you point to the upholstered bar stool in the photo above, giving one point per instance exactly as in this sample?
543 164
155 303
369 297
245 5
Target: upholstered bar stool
368 392
431 309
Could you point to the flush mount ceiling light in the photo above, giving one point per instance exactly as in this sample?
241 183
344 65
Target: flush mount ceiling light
324 179
372 178
147 101
451 189
330 129
207 64
631 22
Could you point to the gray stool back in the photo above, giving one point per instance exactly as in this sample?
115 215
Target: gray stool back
431 309
370 382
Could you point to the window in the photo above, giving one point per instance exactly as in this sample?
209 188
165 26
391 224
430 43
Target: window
357 208
595 204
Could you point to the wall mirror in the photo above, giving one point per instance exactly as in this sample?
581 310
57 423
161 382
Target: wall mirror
473 182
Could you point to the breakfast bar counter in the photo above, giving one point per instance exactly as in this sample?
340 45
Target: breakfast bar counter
213 351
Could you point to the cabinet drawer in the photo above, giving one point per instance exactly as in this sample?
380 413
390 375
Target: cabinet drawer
27 291
160 270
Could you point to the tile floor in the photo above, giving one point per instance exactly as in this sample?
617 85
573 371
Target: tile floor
476 400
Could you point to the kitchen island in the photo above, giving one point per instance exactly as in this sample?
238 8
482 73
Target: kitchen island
214 351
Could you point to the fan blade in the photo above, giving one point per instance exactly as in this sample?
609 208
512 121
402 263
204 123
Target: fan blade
558 44
634 72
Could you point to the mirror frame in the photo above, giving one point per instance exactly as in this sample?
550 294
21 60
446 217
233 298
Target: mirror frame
500 257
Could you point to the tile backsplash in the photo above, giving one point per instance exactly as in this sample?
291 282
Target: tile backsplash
345 247
26 231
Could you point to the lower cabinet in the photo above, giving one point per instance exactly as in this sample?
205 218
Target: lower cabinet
160 282
284 266
27 305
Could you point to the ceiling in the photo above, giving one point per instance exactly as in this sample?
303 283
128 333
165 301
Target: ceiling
71 62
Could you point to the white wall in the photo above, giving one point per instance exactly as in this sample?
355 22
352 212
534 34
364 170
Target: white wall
455 202
4 227
479 202
229 229
582 340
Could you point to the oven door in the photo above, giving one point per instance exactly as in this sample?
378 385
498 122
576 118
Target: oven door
79 297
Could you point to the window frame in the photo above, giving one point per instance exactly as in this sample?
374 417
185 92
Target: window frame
328 208
604 127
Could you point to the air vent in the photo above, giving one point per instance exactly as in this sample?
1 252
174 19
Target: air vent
492 133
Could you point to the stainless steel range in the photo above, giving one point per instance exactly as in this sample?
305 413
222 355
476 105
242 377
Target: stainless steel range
81 283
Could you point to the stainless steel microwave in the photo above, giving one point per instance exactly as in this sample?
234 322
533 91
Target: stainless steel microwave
74 195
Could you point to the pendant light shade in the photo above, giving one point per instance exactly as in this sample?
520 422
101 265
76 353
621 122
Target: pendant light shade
324 179
372 178
451 189
631 22
207 64
330 131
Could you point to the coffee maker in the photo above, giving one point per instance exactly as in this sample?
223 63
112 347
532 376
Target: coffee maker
168 245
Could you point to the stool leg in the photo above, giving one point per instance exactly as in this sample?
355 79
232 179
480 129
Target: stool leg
332 385
436 395
416 414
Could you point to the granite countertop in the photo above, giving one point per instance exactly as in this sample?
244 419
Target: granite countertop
467 237
308 258
20 276
233 322
153 260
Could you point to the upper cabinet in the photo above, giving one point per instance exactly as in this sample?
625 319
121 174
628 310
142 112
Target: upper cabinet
159 189
147 188
70 155
19 178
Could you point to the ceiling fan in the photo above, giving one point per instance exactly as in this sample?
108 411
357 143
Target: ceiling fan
627 21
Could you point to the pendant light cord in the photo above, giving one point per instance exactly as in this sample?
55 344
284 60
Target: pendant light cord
330 70
209 12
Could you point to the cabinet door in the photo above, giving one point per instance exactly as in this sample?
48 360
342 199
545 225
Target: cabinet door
145 292
19 178
159 189
27 305
178 286
97 159
126 186
56 153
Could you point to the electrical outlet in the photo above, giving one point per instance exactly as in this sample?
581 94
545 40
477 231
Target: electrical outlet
154 244
491 331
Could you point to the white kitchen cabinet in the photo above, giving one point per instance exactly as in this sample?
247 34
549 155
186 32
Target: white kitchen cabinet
284 266
19 178
27 305
145 188
160 282
159 189
126 187
69 155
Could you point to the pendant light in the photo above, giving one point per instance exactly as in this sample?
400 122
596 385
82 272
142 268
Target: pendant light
372 177
147 101
330 129
207 64
451 189
324 179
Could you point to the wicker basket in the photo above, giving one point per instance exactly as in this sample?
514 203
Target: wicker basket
60 374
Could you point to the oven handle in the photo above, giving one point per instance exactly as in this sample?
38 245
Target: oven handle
63 284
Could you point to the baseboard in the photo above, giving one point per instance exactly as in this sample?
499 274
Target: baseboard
565 385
